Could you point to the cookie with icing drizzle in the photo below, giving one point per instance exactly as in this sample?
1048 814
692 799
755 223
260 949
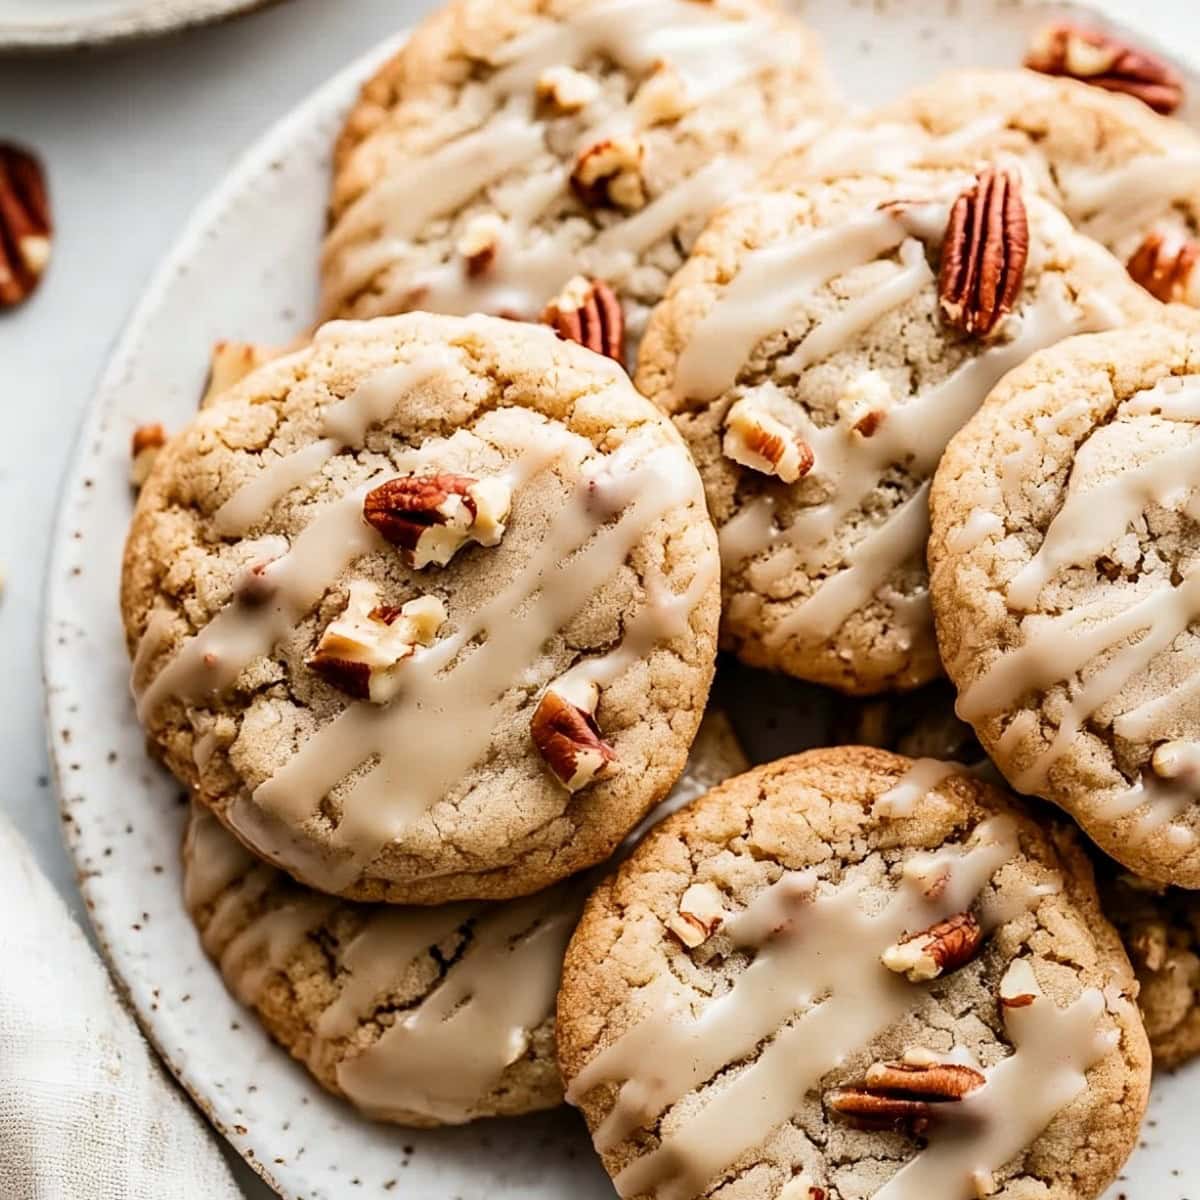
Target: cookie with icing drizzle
354 582
1160 927
512 149
1063 559
1124 175
805 354
419 1016
926 1004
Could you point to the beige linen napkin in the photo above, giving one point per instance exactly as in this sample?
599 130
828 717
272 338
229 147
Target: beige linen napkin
86 1110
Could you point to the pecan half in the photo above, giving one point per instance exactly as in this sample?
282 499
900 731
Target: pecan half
24 224
943 947
1166 268
608 174
984 253
587 311
430 517
568 739
903 1096
1100 59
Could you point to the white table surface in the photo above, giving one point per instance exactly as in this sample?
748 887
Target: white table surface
133 139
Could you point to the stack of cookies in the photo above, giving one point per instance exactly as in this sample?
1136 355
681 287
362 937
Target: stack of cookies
636 346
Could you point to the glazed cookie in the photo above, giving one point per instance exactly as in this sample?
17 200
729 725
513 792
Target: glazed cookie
475 982
1160 927
1065 586
427 610
513 147
419 1016
1124 175
829 976
817 365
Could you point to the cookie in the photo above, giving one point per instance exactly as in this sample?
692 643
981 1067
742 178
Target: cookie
1160 927
475 983
821 976
817 367
425 611
512 147
419 1016
1065 586
1124 175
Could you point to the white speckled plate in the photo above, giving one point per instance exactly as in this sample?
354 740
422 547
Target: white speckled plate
245 267
31 25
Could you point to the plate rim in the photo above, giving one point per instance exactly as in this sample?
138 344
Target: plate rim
118 28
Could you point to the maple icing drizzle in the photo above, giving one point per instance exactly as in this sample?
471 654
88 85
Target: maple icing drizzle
771 285
811 949
442 1056
452 689
709 51
1128 632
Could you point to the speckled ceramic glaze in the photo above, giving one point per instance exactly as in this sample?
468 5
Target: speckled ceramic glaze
32 25
245 268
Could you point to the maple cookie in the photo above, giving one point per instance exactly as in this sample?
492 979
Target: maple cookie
1160 927
841 974
419 1016
818 351
427 610
1124 175
1065 586
559 157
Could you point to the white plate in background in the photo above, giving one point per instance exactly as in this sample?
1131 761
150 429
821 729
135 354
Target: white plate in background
245 268
63 24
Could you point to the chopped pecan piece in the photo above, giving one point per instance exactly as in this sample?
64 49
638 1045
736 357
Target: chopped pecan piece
608 174
943 947
984 253
147 442
587 311
756 439
1102 60
566 735
1166 268
360 652
431 517
701 913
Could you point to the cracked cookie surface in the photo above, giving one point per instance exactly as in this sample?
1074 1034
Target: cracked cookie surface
509 147
820 1034
803 355
1120 171
383 730
1065 586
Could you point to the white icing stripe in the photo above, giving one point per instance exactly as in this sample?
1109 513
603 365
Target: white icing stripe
1092 519
345 424
440 1058
835 332
376 959
1127 199
1174 398
915 785
771 284
868 567
812 952
448 703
